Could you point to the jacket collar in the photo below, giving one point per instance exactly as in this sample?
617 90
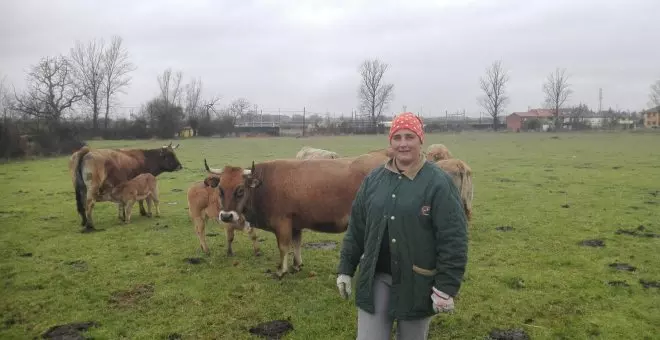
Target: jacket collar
412 171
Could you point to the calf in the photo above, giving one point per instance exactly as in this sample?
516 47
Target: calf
141 187
204 203
312 153
437 152
461 175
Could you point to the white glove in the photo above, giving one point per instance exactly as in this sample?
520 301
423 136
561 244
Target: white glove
344 285
441 301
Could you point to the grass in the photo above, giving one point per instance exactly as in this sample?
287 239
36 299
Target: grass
535 277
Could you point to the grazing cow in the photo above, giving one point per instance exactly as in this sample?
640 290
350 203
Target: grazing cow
286 196
436 152
204 203
461 175
96 171
308 152
141 187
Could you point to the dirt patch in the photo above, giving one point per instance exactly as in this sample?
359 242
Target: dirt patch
622 266
649 284
272 329
618 284
152 253
174 336
78 265
508 334
504 180
127 298
617 167
640 231
177 190
565 206
48 218
72 331
592 243
25 254
212 234
194 260
504 228
159 226
324 245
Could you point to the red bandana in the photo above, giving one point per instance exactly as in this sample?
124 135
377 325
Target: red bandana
408 121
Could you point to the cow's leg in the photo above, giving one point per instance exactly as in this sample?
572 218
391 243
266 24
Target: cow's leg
142 211
129 209
92 191
199 223
154 198
120 212
283 234
229 232
296 240
148 206
255 243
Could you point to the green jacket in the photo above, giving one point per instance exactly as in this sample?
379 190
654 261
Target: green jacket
427 225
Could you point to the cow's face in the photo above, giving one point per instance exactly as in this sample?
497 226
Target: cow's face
168 160
234 187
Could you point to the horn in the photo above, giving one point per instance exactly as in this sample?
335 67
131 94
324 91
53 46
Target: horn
211 170
252 166
247 172
177 145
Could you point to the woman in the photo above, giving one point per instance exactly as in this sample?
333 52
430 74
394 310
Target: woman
408 233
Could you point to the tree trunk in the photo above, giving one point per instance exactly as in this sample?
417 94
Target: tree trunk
495 125
107 111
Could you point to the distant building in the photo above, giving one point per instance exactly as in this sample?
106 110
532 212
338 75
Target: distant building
516 121
652 118
186 132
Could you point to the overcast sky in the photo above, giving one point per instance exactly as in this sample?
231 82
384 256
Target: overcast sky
290 54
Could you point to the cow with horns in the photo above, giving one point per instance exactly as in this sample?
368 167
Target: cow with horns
95 172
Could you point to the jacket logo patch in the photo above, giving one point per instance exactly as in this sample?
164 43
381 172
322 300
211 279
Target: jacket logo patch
426 210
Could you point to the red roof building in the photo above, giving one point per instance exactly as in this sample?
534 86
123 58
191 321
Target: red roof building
516 120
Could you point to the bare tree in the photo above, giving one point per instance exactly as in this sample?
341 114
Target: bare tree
170 86
493 84
115 77
655 94
557 90
51 90
89 69
193 97
374 94
238 108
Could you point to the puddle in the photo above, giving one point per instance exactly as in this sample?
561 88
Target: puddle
71 331
272 329
324 245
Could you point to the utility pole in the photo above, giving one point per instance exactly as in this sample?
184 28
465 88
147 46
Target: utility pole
303 125
600 99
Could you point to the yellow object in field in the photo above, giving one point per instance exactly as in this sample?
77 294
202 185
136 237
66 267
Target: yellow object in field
186 132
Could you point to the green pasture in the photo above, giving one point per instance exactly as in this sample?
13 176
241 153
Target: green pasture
553 191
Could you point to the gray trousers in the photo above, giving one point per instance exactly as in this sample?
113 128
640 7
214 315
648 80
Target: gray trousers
378 326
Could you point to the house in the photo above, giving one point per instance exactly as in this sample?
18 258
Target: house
652 118
186 132
516 121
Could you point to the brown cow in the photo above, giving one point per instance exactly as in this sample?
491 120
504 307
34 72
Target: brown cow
204 203
141 187
461 175
436 152
96 171
288 195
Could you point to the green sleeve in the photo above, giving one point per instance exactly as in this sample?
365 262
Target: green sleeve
353 243
451 247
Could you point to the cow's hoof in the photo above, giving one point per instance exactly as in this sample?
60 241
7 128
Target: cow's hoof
278 275
297 268
88 229
257 253
230 254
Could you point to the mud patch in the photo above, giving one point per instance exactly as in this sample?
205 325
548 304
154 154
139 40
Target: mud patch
272 329
72 331
592 243
25 254
504 228
78 265
565 206
622 266
159 226
618 283
174 336
152 253
127 298
212 234
193 260
177 190
617 167
323 245
508 334
649 284
640 231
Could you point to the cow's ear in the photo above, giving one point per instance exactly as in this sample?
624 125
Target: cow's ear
252 182
211 182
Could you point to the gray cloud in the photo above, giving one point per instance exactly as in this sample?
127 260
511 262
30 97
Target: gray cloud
290 55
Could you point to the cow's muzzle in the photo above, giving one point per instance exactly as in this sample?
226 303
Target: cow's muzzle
228 216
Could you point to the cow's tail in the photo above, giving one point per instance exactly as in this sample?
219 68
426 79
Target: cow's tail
80 187
467 191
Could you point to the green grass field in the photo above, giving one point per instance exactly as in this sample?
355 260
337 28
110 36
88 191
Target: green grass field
535 277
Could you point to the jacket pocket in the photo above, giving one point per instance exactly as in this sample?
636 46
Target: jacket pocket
423 280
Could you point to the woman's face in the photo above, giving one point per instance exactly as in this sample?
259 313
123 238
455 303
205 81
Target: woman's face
406 146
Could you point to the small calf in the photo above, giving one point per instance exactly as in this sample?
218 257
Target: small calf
141 187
